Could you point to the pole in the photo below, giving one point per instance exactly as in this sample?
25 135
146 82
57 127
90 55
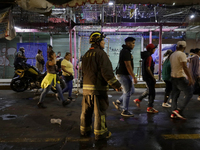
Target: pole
150 37
70 42
160 50
75 54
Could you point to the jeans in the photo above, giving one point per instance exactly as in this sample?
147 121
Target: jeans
150 91
178 85
68 88
128 89
46 90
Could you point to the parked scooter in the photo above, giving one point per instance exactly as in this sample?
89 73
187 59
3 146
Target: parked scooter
27 76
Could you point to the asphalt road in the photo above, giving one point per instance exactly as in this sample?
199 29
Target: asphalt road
25 127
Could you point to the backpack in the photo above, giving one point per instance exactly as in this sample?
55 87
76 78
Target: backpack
166 70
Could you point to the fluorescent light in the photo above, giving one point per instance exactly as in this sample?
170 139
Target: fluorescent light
192 16
110 3
194 27
17 28
173 4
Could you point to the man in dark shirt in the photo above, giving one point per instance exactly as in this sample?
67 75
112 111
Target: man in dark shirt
148 77
125 75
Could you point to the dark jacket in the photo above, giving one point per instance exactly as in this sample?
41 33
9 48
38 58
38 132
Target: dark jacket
145 75
97 72
125 55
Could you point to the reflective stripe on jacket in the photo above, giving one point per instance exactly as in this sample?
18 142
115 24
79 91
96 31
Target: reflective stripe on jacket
97 71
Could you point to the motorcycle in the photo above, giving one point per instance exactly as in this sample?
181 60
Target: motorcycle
27 76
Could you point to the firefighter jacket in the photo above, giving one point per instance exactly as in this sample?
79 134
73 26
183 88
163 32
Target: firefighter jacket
97 72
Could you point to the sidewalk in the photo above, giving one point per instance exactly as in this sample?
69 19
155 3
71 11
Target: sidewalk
5 84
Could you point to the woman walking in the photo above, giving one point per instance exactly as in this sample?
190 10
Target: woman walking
68 73
51 80
166 76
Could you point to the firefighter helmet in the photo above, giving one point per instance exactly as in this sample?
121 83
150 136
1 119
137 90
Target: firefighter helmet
96 37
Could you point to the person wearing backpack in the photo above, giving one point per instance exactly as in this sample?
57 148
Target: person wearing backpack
166 76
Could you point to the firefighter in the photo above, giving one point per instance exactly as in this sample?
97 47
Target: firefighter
97 74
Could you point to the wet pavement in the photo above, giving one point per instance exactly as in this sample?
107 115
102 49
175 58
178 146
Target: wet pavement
25 127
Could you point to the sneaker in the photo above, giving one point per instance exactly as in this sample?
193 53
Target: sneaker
198 98
57 97
126 113
166 105
71 99
137 102
177 113
173 116
117 106
66 102
170 101
118 102
151 110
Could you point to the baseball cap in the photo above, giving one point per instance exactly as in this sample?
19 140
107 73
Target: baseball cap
183 43
150 46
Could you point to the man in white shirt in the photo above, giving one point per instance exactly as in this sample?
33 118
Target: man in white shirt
179 73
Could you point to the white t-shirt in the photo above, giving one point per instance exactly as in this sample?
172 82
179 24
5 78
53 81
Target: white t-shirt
176 60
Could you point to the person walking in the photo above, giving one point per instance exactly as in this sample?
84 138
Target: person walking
148 77
194 70
68 73
97 74
125 75
39 61
179 72
166 76
51 80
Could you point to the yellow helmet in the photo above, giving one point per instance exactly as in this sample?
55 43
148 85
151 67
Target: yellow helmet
96 37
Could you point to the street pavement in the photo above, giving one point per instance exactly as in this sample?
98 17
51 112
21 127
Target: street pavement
23 126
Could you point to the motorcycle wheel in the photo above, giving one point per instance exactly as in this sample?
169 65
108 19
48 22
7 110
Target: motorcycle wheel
62 85
19 85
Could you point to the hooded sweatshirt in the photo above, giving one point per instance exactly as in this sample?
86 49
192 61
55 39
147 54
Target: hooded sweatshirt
125 55
194 66
147 61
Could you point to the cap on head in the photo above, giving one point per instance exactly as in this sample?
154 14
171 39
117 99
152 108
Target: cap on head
129 39
181 43
96 37
150 47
